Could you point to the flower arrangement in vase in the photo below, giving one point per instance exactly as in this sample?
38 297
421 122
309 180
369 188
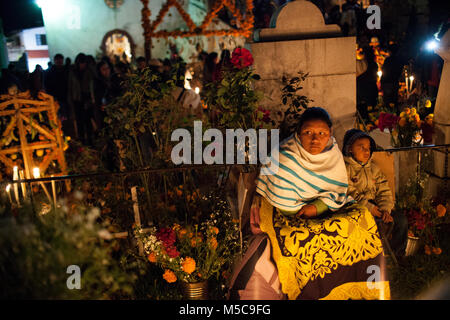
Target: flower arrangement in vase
194 253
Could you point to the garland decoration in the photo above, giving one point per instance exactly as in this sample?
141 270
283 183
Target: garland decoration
244 21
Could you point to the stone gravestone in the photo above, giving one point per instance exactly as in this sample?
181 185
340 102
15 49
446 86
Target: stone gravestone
442 115
299 40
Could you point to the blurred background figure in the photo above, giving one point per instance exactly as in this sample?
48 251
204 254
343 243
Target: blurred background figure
56 85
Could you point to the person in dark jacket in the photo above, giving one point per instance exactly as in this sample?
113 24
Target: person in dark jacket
56 84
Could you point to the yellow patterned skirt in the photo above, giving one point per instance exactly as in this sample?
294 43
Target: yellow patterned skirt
337 256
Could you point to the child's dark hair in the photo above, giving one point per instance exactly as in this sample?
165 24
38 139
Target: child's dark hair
314 113
350 138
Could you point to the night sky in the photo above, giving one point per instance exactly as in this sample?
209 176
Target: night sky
19 14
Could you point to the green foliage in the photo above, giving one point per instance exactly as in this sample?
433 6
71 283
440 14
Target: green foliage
234 99
293 102
146 108
37 249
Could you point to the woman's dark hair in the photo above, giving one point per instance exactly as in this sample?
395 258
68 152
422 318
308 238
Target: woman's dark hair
225 57
209 62
314 113
80 58
100 65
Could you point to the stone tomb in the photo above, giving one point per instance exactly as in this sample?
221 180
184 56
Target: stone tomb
299 40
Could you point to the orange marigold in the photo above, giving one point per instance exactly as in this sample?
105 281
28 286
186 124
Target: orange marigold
188 265
169 276
437 251
195 241
427 250
213 243
152 257
441 210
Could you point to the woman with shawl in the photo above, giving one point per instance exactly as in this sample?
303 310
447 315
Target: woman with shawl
324 245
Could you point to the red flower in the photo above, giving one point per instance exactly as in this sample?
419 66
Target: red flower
387 120
241 58
172 252
167 236
266 115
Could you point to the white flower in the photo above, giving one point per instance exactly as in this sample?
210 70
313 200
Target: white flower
105 234
78 195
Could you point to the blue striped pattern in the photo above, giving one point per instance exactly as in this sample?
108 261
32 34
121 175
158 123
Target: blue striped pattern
302 177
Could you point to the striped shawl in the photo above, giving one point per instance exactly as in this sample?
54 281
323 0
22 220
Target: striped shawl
302 177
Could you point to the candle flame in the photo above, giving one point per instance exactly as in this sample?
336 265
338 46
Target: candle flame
8 187
36 173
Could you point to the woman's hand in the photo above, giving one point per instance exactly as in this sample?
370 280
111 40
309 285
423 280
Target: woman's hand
376 212
386 216
254 215
307 211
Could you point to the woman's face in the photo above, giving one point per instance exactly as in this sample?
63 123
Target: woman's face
105 71
314 136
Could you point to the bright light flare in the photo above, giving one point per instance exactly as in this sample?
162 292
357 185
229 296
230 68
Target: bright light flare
431 45
379 73
197 90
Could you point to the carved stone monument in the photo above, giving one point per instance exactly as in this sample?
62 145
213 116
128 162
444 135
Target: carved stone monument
299 40
442 116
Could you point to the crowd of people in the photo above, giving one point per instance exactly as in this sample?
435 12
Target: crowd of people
84 88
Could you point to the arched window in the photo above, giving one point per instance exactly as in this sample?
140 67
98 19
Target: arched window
118 45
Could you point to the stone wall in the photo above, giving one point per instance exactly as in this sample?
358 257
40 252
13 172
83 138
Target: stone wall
301 41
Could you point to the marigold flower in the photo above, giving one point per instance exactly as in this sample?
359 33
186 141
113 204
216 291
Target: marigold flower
441 210
427 250
407 111
437 251
169 276
417 118
179 192
195 241
428 104
402 122
182 233
188 265
215 230
152 257
213 243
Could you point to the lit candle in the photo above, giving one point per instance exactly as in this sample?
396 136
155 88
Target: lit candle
16 186
23 185
8 191
406 83
411 79
36 173
54 192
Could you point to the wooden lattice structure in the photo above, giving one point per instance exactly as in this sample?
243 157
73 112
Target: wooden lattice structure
31 134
